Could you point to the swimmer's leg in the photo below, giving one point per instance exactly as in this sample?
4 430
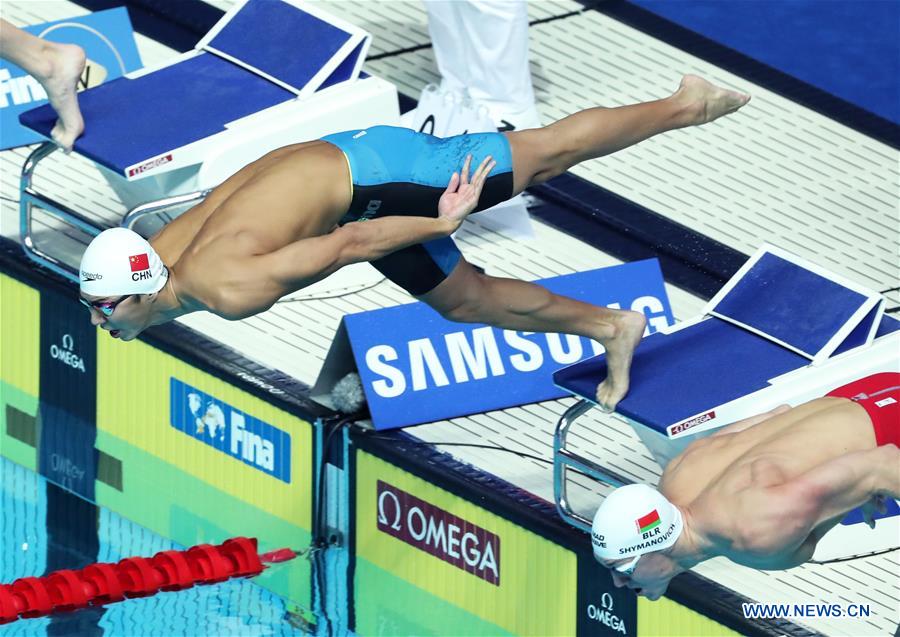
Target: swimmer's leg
57 67
542 153
468 296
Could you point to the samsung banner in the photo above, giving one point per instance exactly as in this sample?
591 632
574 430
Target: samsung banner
108 42
417 367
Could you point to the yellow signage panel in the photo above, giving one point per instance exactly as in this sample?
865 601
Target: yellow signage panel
206 427
444 550
20 335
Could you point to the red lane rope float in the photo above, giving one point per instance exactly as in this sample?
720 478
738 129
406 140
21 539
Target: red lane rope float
100 584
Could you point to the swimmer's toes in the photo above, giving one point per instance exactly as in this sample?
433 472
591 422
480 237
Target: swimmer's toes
608 396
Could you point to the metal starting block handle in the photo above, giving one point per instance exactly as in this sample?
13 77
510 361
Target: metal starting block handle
30 198
564 459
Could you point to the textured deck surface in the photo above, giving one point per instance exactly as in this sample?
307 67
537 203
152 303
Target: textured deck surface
774 172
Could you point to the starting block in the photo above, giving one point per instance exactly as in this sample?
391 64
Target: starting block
781 331
269 73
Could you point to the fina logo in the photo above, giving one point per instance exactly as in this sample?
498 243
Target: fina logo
65 353
231 431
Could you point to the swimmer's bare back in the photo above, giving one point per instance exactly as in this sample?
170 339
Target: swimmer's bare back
725 479
292 193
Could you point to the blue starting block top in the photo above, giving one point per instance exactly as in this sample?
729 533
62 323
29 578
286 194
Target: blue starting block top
792 305
261 54
773 317
137 119
675 376
264 34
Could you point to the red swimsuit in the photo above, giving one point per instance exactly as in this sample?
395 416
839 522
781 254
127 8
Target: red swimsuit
879 395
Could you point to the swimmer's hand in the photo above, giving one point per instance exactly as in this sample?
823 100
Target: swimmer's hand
876 504
461 196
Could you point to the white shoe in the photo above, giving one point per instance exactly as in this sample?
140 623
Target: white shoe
508 120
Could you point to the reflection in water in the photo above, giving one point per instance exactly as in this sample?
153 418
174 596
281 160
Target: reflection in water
44 528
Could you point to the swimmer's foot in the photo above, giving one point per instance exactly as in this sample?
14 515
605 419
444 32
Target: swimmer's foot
60 79
704 102
628 329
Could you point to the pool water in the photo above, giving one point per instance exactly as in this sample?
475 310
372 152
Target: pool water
44 528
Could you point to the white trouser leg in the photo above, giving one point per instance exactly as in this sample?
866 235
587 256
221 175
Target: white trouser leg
483 46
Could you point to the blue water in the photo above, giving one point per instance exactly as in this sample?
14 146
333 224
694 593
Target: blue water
849 49
38 535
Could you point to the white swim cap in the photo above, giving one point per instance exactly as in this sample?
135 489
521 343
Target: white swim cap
633 520
120 261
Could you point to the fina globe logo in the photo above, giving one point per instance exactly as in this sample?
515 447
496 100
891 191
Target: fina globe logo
24 89
219 425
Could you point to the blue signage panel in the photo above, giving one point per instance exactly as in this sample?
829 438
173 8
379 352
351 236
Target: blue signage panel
108 42
216 423
417 367
68 391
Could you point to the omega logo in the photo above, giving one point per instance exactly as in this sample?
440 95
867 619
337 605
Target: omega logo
65 353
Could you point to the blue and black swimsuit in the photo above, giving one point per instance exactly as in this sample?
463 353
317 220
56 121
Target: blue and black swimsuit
397 171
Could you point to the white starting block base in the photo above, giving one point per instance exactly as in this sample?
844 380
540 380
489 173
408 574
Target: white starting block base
208 162
793 388
858 539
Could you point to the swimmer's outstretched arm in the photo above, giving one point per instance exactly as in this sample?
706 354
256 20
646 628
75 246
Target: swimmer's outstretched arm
252 284
746 423
309 260
849 481
785 515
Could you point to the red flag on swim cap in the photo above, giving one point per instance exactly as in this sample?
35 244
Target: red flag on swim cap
119 261
139 262
647 522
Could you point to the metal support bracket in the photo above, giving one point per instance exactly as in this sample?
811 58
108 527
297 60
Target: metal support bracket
29 198
564 459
